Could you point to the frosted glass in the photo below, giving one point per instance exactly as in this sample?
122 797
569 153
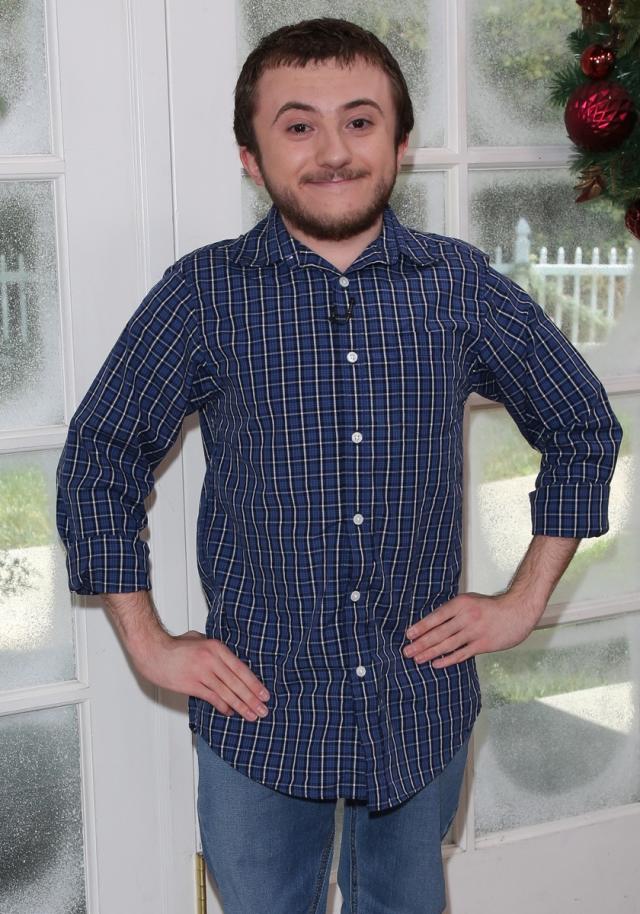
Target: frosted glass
515 213
514 47
36 632
418 200
559 733
30 348
413 30
502 471
41 839
25 126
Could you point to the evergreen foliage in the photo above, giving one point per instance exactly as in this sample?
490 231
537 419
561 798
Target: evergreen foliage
620 166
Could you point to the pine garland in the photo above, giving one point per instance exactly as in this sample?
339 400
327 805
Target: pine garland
614 174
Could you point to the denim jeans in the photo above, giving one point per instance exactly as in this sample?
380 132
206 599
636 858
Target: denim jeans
271 853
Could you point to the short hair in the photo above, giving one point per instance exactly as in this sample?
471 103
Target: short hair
316 40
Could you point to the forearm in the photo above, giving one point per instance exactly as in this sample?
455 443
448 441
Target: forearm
474 623
542 566
136 621
190 664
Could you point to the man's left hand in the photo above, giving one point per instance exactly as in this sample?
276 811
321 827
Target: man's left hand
471 623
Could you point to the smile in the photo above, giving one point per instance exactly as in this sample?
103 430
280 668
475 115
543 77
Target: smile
336 183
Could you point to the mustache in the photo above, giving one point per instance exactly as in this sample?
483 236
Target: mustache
341 174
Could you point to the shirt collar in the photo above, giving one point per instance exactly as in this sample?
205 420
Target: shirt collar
269 242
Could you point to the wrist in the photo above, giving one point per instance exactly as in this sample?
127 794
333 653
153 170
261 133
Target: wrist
522 601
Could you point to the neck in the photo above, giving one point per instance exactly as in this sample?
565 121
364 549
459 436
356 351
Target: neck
339 253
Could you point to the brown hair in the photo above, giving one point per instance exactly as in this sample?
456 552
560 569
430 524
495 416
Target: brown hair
316 40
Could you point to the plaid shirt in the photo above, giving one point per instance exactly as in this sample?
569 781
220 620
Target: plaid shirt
330 516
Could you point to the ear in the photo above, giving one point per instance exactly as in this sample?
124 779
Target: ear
251 166
402 148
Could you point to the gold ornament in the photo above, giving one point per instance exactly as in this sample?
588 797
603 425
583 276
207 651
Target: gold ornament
590 183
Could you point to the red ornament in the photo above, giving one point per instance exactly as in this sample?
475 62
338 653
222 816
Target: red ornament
599 116
632 219
596 61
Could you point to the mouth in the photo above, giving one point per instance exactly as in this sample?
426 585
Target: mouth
335 180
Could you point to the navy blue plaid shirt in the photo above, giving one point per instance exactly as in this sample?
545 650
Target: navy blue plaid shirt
331 510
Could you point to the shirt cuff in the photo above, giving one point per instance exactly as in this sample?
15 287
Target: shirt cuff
570 509
107 564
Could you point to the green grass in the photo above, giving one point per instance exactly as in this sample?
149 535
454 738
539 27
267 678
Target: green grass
526 674
25 509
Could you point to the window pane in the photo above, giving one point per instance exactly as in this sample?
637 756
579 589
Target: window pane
514 48
502 472
413 30
41 849
575 260
30 360
559 734
24 93
36 632
418 200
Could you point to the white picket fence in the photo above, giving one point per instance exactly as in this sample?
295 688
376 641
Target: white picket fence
582 298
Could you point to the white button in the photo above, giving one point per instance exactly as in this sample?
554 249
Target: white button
344 282
356 437
352 356
360 670
355 595
358 518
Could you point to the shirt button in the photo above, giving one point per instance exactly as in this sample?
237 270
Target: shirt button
360 670
356 437
352 356
344 282
355 595
358 518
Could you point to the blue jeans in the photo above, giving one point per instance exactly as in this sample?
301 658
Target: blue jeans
271 853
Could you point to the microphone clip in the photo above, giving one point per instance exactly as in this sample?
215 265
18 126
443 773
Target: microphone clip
341 318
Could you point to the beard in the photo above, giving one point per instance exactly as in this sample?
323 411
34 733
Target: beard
331 228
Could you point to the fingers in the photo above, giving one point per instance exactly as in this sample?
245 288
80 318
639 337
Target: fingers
456 657
455 626
455 643
435 641
233 685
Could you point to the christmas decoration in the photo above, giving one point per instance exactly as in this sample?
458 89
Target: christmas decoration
632 218
600 93
600 116
593 11
591 184
596 61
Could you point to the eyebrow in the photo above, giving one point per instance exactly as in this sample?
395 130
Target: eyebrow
303 106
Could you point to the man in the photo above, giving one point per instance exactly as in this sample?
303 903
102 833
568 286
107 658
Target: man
329 351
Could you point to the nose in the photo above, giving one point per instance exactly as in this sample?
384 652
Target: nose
333 149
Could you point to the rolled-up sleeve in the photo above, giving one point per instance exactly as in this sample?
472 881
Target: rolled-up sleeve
156 374
524 361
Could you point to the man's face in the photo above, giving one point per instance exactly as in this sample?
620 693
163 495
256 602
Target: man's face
326 138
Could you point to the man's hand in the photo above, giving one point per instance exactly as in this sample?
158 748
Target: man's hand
473 623
205 667
191 664
470 624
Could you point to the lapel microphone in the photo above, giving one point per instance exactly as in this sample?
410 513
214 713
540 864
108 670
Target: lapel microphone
341 318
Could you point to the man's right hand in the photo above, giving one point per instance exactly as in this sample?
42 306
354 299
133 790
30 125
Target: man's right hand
191 664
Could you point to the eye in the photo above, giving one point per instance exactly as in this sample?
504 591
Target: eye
298 129
360 122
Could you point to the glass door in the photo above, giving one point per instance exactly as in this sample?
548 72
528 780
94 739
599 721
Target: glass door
95 767
41 692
